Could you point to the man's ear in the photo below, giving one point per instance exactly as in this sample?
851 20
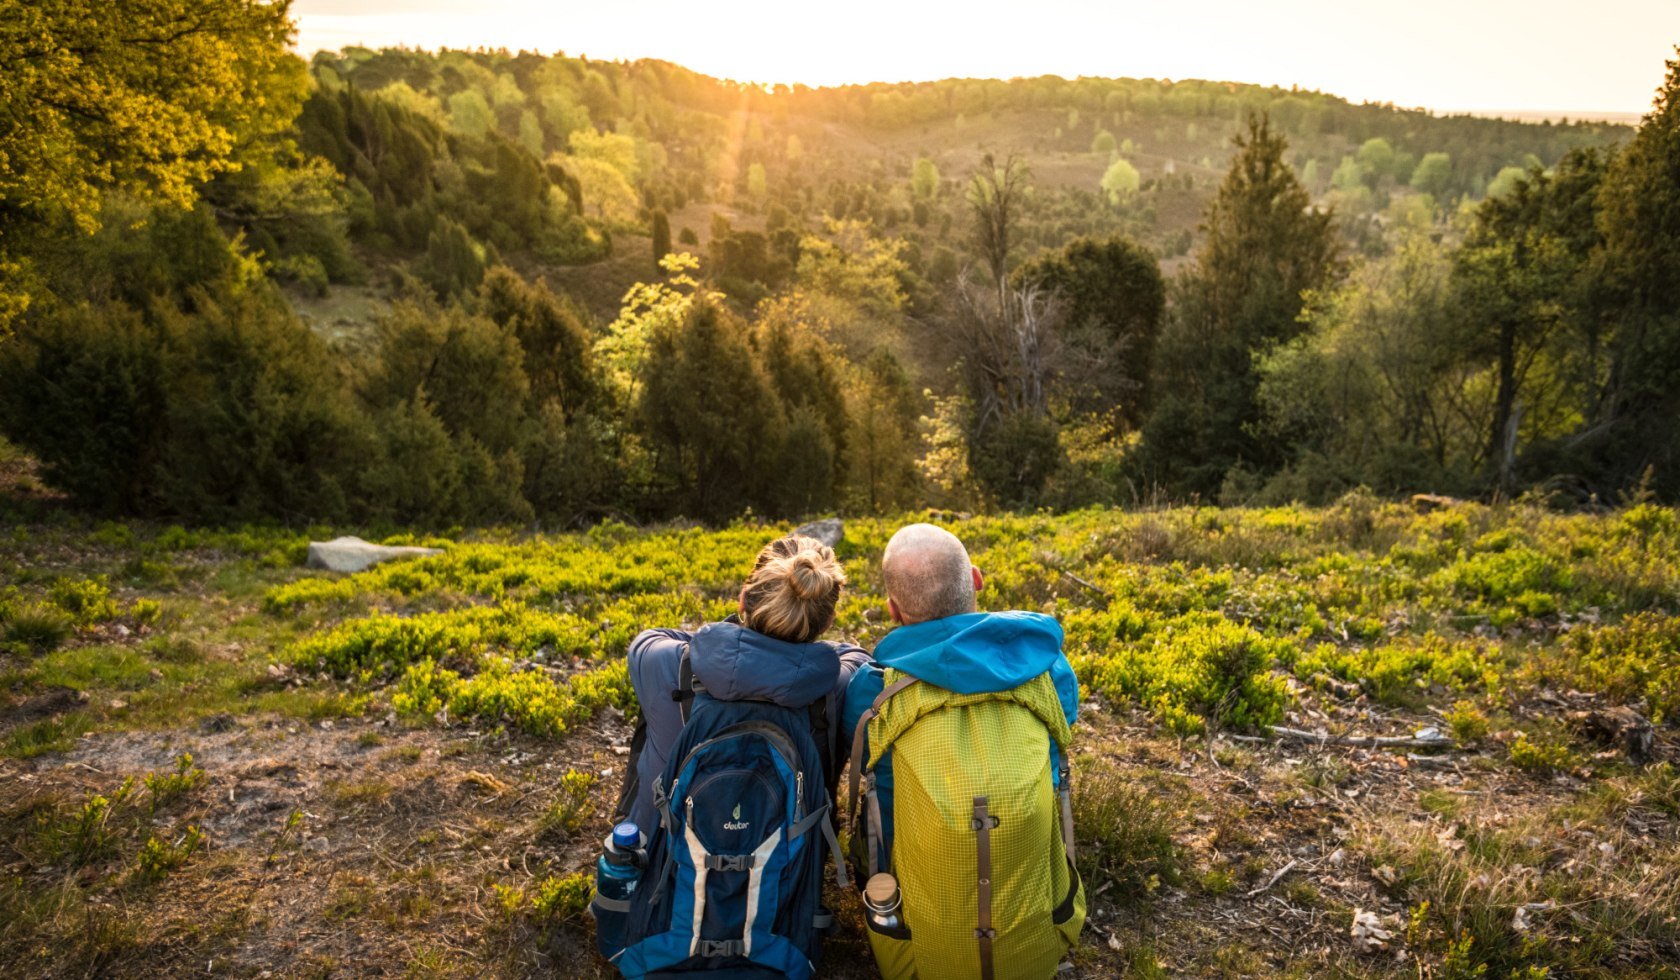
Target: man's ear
893 611
979 580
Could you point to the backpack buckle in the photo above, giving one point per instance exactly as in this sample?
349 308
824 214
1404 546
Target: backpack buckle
985 934
722 947
729 862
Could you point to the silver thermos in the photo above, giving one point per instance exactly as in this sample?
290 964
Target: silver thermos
881 901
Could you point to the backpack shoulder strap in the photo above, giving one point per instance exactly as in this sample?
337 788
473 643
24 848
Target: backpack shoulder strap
687 685
822 731
856 775
632 774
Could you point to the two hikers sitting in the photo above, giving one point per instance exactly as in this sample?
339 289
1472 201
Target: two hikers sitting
958 735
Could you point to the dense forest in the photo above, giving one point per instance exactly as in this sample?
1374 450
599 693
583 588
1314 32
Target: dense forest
483 287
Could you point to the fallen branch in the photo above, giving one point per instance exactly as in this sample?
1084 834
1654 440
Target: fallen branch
1276 875
1099 590
1362 741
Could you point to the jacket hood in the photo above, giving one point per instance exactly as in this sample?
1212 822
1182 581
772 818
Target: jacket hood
737 664
975 653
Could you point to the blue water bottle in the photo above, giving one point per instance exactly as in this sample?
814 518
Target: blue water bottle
617 872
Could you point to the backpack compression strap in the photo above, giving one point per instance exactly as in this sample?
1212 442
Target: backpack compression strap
983 931
858 735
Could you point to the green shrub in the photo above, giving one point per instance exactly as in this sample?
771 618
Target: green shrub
87 601
1637 658
224 408
88 833
566 815
562 898
166 788
532 701
1195 670
1507 574
1540 756
39 629
1467 723
157 858
1125 834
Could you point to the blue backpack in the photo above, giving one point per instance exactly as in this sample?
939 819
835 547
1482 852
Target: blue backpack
734 872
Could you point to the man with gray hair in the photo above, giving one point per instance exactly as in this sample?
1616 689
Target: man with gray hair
981 689
928 575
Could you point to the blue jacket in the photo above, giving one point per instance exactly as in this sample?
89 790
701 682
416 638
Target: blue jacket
734 663
970 654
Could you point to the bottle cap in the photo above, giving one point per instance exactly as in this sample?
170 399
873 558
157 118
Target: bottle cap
881 892
627 835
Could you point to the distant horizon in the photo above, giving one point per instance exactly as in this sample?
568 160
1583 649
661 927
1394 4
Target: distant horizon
1607 63
1613 116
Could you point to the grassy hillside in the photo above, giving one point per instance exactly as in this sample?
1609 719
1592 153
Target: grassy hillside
634 137
214 759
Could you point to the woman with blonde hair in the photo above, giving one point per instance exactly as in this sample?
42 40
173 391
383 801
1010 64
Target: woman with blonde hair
768 650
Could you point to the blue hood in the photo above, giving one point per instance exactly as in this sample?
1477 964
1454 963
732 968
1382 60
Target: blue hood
975 653
736 663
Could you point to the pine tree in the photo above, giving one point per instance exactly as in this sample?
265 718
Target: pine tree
661 236
1266 246
1639 215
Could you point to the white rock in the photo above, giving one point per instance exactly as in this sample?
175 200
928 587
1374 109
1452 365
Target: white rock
1369 934
355 555
829 531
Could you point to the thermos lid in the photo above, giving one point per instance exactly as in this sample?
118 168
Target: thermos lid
627 834
881 890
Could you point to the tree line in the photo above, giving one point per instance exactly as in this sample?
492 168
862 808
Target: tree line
845 337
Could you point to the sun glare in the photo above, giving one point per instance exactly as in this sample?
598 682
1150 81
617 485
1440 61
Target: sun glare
1435 53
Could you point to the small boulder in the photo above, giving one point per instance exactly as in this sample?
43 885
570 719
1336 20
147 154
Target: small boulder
355 555
829 531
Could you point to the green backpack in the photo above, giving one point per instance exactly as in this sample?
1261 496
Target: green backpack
982 837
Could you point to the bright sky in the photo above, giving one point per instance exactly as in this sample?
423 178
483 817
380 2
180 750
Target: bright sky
1604 56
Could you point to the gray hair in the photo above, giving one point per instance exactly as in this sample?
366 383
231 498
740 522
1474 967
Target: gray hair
927 573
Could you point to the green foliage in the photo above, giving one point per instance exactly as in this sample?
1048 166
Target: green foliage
924 179
661 235
1120 181
1125 834
709 411
1266 246
250 421
1541 756
166 788
1433 175
469 113
1112 302
1468 723
884 414
88 833
1637 658
1189 672
137 95
157 858
85 601
454 263
570 809
562 898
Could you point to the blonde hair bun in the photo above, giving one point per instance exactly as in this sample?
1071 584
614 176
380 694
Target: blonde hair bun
793 589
